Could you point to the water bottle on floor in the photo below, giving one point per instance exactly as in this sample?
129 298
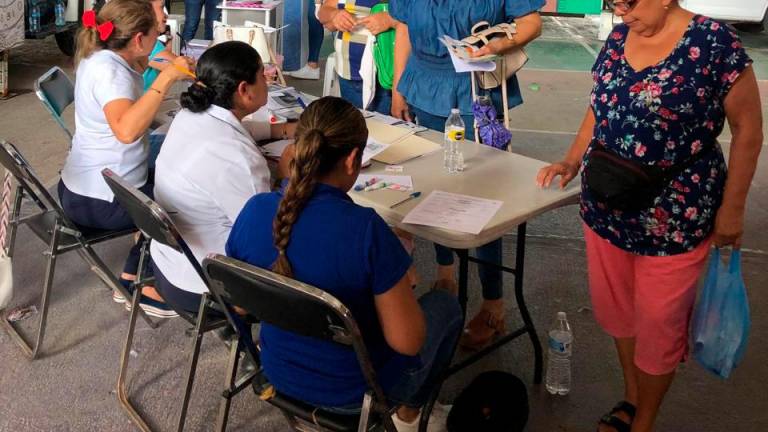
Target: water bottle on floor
453 158
559 362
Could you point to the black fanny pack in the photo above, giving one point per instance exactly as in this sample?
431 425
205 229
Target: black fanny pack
622 184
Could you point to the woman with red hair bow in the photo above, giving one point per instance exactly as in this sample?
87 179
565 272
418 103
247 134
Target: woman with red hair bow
112 114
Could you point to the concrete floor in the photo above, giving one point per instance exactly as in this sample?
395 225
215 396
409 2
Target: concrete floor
72 387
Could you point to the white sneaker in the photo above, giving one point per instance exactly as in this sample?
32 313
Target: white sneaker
437 421
306 73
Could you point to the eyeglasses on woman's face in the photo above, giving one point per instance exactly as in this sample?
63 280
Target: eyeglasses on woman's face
623 6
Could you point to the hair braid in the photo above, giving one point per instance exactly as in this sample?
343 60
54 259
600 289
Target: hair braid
328 130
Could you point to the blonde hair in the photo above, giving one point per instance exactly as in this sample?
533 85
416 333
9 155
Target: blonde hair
129 18
328 130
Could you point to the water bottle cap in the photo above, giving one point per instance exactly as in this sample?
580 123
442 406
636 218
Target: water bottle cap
454 110
561 315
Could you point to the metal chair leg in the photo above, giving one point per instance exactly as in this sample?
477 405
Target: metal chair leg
198 339
103 272
14 224
234 357
32 351
122 393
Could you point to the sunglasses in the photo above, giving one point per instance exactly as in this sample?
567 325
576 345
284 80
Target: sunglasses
622 6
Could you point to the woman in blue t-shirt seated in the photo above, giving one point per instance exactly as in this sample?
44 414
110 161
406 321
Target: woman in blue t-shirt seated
312 231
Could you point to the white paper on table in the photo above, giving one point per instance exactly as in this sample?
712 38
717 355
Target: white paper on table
275 149
389 120
405 181
455 212
372 148
461 61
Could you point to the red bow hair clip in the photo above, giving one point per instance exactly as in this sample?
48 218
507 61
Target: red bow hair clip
105 29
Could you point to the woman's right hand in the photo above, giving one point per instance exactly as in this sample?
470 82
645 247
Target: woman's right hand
182 68
566 170
400 107
343 21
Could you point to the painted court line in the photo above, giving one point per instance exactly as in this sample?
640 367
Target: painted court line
576 37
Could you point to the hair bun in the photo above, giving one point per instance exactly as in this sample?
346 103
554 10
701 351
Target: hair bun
198 97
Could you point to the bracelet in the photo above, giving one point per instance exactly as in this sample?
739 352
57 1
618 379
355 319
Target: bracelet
156 90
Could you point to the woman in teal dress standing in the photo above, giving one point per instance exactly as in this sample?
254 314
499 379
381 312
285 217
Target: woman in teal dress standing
426 87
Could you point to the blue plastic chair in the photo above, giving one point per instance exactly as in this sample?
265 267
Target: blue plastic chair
56 91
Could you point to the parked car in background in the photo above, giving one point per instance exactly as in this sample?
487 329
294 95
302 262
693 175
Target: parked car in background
754 12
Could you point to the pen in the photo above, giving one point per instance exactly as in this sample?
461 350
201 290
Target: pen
360 187
410 197
301 102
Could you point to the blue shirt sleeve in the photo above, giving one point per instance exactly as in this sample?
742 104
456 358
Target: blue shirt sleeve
384 255
398 9
517 8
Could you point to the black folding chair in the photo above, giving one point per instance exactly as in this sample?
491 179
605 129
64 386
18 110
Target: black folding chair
52 226
56 91
308 311
156 225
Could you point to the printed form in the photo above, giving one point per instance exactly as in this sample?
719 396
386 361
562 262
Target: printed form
455 212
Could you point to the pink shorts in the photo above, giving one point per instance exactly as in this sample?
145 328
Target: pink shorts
649 298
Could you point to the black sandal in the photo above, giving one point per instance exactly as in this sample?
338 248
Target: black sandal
620 425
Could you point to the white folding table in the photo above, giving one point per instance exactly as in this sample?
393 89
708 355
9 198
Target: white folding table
491 174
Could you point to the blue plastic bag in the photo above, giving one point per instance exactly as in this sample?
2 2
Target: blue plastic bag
721 320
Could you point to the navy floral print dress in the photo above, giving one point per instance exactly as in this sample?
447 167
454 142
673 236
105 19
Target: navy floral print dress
663 115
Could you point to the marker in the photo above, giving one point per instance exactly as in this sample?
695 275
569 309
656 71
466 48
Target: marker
360 187
301 102
410 197
376 186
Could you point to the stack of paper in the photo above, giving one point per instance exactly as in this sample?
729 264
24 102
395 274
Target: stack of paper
403 144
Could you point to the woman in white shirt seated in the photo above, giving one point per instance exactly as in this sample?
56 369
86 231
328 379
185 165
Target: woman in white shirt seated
112 114
209 165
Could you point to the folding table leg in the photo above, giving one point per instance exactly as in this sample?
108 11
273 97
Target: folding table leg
198 339
463 279
30 351
520 297
122 393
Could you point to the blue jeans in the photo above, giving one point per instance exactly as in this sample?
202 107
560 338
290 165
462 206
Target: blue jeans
192 10
316 33
490 278
445 321
352 91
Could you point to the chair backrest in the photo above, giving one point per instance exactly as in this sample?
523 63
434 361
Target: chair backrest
56 91
14 162
149 217
289 305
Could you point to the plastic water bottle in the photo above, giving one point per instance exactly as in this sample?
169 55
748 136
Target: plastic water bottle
453 158
559 362
34 19
60 12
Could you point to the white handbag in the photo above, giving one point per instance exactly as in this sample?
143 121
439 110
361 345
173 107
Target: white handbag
6 273
514 60
253 36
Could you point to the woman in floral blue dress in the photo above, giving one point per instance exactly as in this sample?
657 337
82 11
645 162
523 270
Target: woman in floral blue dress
664 84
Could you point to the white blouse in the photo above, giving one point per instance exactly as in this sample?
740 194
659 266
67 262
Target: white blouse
100 79
208 167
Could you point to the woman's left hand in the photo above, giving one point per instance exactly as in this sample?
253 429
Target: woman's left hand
377 23
729 227
494 46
